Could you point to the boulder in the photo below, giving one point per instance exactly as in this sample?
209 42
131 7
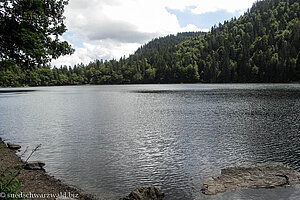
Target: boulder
260 175
34 165
145 193
13 146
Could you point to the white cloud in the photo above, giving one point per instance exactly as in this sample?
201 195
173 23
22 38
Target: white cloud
192 27
103 49
228 5
204 6
113 28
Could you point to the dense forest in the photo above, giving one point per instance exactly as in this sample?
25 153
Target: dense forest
263 45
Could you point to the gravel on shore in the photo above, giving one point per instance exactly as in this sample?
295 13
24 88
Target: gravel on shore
36 181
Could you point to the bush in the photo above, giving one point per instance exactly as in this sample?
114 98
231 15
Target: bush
9 184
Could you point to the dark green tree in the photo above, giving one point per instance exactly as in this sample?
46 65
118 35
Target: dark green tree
30 29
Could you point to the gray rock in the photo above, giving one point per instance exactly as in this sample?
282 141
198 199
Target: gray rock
145 193
260 175
13 146
34 165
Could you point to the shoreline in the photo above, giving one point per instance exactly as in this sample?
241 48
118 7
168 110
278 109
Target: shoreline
127 84
37 182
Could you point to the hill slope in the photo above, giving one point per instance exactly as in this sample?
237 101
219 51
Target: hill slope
261 46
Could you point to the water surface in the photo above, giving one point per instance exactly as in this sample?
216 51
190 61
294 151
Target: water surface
108 140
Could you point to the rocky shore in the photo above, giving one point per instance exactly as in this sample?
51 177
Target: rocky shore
266 175
36 181
145 193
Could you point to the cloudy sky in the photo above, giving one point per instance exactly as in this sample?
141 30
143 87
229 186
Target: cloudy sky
106 29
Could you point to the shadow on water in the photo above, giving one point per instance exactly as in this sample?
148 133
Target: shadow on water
211 91
160 91
171 91
15 90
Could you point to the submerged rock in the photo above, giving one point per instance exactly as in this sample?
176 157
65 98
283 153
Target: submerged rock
259 175
34 165
145 193
13 146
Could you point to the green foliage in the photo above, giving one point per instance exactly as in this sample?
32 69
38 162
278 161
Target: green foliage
260 46
29 31
9 184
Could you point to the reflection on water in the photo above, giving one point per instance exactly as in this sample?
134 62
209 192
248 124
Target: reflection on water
110 139
15 90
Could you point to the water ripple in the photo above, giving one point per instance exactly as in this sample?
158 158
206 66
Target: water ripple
110 139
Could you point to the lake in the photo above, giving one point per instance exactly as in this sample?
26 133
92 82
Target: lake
107 140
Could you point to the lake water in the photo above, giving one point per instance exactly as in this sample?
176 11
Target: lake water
108 140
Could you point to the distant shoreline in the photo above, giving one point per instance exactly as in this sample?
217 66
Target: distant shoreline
125 84
36 181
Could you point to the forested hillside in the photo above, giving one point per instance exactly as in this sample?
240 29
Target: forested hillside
263 45
140 67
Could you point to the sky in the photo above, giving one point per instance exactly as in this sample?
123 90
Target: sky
111 29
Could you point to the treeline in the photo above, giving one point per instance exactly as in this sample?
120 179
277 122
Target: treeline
141 67
263 45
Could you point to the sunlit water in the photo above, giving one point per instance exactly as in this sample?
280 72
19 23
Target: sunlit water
107 140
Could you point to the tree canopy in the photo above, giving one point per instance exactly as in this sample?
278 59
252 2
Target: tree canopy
30 30
260 46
